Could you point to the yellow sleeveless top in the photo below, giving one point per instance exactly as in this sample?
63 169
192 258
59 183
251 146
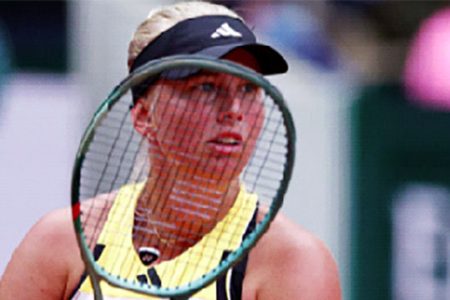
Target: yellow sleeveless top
191 264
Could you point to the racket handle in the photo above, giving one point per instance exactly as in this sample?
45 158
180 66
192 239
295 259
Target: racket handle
96 286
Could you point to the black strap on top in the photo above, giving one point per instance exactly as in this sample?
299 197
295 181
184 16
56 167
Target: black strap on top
98 249
237 272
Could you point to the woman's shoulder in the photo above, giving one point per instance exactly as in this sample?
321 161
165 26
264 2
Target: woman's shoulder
284 235
287 239
57 226
295 259
43 257
52 231
49 256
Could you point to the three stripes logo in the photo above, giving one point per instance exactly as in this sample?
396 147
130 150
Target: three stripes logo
225 30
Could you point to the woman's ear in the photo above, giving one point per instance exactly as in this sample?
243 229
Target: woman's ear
141 116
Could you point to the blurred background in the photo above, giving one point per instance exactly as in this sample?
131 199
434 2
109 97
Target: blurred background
369 88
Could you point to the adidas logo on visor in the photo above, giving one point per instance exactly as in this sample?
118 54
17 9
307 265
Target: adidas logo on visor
225 30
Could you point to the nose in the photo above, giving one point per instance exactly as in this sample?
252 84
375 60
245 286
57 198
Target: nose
230 111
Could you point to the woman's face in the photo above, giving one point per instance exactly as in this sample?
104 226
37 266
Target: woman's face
208 123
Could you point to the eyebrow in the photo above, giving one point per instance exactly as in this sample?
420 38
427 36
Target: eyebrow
204 73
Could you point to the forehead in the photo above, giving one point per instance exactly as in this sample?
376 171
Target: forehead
206 75
212 75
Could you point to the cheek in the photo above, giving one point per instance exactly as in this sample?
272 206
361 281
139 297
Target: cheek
255 119
181 127
255 123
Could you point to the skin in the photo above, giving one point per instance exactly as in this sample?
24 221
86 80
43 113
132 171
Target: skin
47 265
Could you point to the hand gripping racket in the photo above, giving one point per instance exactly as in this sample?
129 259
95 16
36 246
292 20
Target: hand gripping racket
179 173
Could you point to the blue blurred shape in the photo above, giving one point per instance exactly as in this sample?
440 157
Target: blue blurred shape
293 27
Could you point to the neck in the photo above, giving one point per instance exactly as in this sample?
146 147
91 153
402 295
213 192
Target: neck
171 193
177 209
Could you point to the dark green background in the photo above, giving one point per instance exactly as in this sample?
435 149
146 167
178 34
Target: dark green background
394 143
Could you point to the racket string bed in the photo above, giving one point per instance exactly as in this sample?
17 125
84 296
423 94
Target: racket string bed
138 188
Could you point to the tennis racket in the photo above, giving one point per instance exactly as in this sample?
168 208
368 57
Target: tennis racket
151 190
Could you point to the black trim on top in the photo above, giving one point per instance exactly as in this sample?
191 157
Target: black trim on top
251 226
154 277
98 250
237 279
221 285
237 272
142 278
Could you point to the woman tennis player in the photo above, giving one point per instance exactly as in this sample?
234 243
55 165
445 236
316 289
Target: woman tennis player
197 151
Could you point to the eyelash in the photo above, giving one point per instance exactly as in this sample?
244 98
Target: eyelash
206 87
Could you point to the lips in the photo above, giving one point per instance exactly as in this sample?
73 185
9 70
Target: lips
226 143
227 138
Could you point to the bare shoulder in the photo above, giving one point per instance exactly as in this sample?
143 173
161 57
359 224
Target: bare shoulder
41 262
53 232
48 260
291 263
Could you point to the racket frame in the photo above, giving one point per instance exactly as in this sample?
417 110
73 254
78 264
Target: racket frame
152 68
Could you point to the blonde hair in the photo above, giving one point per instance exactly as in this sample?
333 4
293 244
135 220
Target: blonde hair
161 19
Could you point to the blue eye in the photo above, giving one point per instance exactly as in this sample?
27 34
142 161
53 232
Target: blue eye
207 87
249 88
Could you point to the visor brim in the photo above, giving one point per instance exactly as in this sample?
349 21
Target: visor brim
269 60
